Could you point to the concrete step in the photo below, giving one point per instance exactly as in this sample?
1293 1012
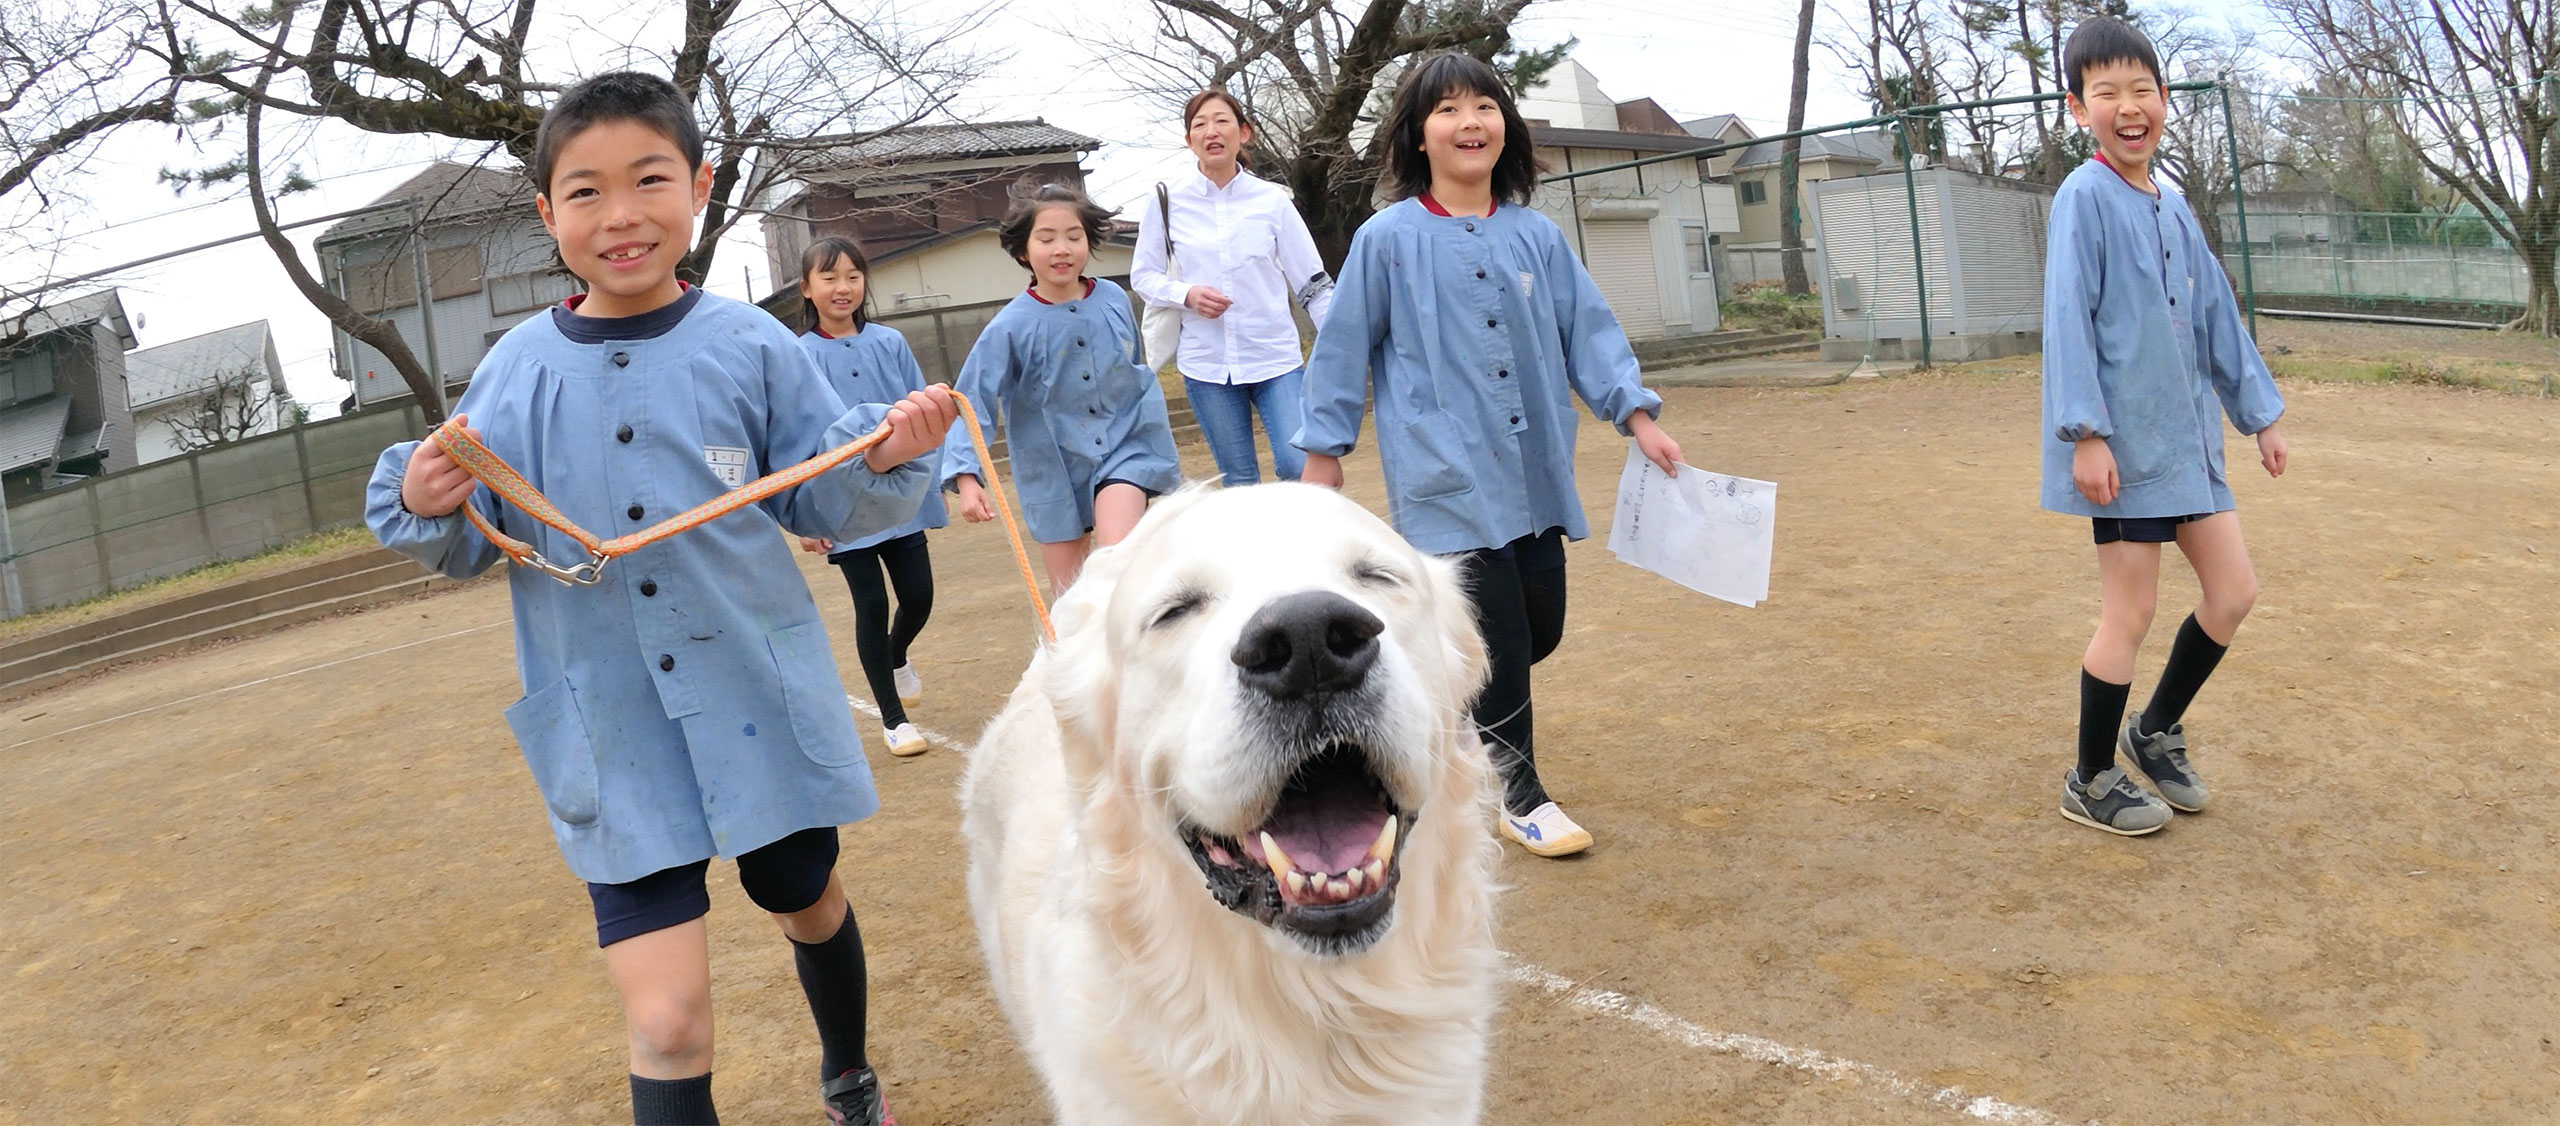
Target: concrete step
1680 351
140 616
246 606
413 583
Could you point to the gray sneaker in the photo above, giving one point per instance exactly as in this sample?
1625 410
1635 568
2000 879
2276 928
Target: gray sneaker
2112 803
2162 758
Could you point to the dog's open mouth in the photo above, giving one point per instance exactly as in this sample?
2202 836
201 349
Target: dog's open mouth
1323 865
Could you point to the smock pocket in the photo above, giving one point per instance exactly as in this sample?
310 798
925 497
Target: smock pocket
1431 463
553 733
2149 438
821 720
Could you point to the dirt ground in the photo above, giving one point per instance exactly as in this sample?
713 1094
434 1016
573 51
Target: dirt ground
306 878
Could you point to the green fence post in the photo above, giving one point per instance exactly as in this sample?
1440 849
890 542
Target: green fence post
2240 205
1919 260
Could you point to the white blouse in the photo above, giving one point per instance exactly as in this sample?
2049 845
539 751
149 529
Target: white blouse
1246 241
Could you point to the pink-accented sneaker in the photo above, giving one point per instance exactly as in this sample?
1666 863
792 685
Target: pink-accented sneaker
853 1099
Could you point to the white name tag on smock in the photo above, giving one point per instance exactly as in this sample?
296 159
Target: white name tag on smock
728 463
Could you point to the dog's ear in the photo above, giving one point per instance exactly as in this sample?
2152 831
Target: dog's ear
1462 641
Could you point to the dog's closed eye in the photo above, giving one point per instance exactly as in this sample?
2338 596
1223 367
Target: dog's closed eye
1178 607
1376 573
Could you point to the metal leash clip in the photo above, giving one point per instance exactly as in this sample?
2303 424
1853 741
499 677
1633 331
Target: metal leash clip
588 573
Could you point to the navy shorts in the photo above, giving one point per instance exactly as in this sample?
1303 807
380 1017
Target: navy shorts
2141 529
1107 482
785 876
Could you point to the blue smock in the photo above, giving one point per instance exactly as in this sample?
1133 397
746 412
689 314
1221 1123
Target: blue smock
2141 336
876 366
1475 330
1078 407
688 705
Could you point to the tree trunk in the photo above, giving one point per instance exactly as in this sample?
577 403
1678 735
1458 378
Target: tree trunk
2035 85
2542 284
1790 225
382 334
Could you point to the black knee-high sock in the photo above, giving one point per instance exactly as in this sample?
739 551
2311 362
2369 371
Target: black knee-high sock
2101 708
2191 659
832 975
673 1102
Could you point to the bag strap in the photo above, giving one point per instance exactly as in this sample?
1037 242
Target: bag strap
1164 211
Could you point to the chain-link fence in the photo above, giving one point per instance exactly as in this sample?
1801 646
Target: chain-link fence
2411 264
1924 229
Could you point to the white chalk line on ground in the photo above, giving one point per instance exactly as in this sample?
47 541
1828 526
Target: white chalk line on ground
1671 1027
253 683
1762 1050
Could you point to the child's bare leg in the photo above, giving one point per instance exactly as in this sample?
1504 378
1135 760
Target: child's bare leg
1116 510
664 977
818 921
2128 596
2214 548
1063 561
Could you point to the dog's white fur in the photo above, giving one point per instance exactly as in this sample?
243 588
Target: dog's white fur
1138 996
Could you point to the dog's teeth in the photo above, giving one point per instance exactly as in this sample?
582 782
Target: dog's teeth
1386 843
1353 879
1297 884
1271 855
1377 870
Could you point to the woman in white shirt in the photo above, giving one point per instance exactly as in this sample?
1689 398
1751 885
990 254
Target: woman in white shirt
1243 255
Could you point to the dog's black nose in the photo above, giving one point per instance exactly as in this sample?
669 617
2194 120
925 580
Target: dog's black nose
1301 644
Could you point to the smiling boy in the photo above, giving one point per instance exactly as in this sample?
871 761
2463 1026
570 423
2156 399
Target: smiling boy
2141 337
687 704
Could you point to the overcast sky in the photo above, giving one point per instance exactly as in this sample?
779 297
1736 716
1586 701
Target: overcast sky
1693 58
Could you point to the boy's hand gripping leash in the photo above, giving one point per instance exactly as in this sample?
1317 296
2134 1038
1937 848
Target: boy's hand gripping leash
510 486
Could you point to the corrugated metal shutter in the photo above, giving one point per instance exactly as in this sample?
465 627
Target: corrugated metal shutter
2000 244
1620 258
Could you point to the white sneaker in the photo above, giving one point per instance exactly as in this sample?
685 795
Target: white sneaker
1546 831
910 686
905 741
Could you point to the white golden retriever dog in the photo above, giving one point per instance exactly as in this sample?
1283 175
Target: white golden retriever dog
1228 853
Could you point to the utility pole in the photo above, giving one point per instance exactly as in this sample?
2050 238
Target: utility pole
426 299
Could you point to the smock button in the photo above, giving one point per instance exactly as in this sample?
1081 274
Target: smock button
622 359
1503 374
1515 420
1479 275
622 433
634 512
1088 377
666 662
648 588
1489 322
1079 342
2173 301
1471 226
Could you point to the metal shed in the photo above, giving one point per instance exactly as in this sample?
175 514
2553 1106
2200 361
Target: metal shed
1981 254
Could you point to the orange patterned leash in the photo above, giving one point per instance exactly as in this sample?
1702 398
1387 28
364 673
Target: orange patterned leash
502 479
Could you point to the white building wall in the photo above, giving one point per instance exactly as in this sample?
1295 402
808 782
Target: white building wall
467 324
155 436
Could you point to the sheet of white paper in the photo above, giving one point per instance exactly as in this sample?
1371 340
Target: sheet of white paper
1706 531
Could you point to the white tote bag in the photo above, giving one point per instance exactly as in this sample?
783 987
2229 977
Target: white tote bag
1161 326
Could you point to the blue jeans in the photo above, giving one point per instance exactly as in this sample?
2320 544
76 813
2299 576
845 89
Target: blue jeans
1226 420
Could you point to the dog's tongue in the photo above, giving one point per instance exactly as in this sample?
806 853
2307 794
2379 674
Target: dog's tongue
1328 831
